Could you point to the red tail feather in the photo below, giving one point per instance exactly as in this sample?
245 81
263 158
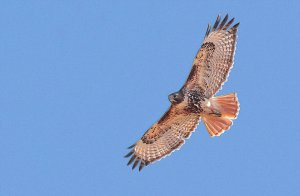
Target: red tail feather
226 108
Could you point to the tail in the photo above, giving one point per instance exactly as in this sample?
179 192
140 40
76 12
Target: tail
222 110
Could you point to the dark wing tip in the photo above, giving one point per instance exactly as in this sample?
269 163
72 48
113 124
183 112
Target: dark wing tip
207 30
133 145
136 160
224 25
129 154
131 160
141 165
228 24
135 163
236 26
223 22
216 23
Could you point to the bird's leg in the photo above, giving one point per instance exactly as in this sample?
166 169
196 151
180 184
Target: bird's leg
210 110
215 113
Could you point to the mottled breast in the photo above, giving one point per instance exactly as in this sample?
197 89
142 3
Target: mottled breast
194 100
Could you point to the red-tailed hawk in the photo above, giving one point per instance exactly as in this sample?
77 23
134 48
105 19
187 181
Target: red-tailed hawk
195 99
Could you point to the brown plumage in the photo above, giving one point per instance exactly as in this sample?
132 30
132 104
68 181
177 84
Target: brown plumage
195 99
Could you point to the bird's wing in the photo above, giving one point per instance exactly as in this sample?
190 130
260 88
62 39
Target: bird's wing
214 59
165 136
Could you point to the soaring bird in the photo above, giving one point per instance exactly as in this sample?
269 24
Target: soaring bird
195 100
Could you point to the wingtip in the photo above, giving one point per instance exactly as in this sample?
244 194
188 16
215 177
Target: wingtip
129 154
133 145
208 30
228 24
236 25
223 22
131 160
221 25
216 23
135 163
141 166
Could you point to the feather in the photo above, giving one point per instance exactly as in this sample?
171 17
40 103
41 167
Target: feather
131 160
133 145
228 24
141 165
223 22
129 154
235 26
216 23
135 163
207 30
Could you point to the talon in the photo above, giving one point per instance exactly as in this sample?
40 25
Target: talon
217 114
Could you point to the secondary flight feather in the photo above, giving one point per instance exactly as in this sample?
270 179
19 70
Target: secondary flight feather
195 100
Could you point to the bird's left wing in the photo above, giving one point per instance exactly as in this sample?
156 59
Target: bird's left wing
215 57
165 136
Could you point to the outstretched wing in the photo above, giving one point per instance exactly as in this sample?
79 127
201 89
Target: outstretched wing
215 57
165 136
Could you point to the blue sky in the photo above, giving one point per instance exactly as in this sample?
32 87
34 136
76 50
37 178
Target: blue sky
82 80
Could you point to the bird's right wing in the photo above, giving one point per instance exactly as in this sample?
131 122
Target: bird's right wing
165 136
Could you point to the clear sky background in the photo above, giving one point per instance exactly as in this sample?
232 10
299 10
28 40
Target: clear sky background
82 80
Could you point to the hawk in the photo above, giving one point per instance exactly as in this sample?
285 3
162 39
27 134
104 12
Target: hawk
195 100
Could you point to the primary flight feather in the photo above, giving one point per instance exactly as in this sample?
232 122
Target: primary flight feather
195 99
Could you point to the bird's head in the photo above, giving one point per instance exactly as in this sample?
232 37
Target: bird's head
176 97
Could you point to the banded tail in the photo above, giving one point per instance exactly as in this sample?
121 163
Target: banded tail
222 110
